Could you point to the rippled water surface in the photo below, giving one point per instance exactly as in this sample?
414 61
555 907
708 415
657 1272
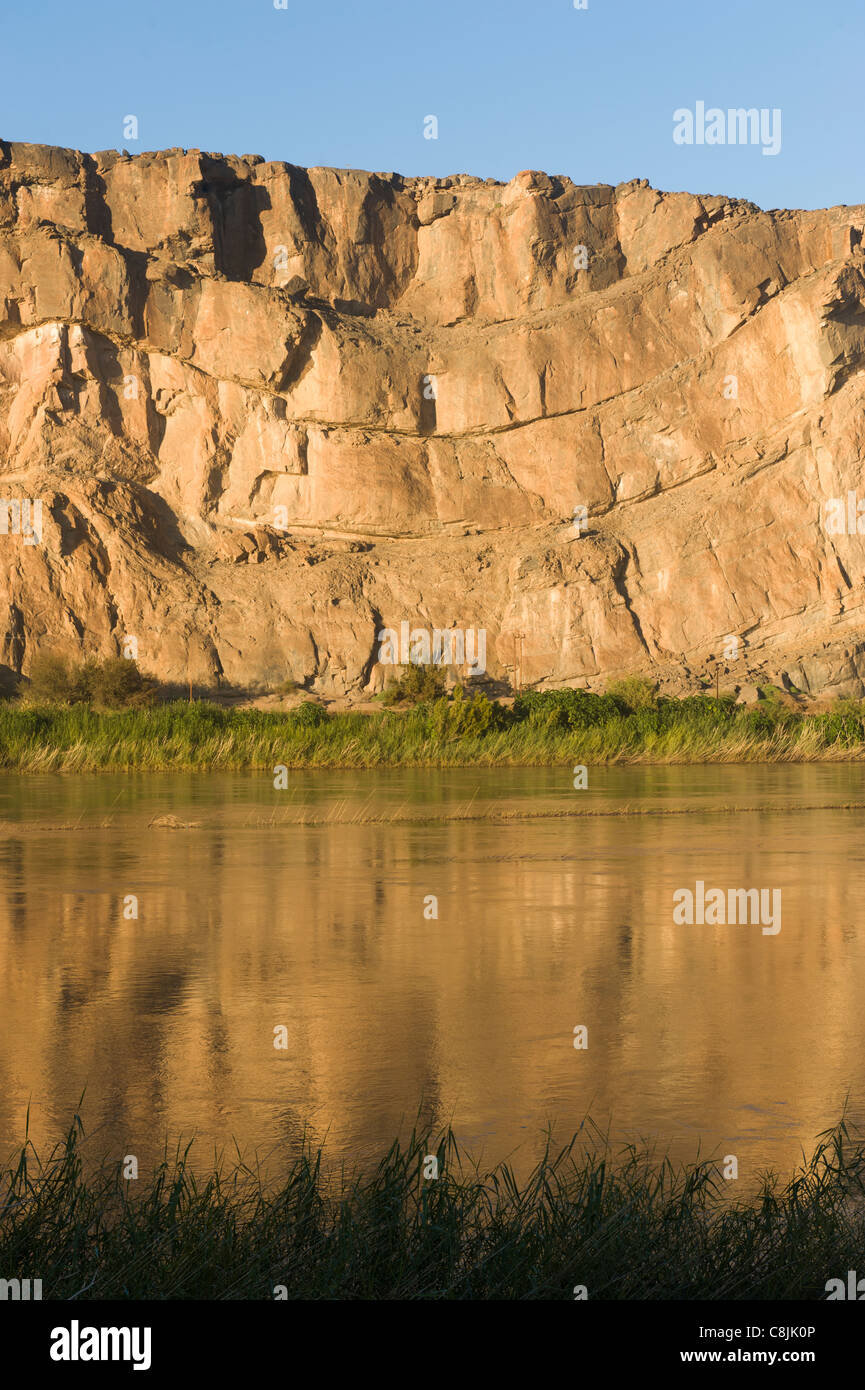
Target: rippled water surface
249 919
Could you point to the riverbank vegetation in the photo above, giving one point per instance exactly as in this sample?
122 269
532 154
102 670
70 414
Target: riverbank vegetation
108 720
617 1225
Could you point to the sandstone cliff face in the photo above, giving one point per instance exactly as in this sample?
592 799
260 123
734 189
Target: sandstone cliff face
269 411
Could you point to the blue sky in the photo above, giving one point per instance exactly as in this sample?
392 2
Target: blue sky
534 85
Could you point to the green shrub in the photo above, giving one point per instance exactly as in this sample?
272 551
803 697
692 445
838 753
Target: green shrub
634 692
701 710
844 724
566 709
768 719
201 718
417 683
771 693
309 715
51 680
114 683
463 718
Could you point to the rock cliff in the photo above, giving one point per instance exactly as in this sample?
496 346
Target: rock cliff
268 411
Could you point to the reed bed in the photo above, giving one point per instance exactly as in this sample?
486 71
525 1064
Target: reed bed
623 1225
466 733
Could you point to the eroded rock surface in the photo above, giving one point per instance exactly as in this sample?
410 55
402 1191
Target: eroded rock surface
269 411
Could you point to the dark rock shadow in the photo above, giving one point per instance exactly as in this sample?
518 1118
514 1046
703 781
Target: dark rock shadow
235 207
427 413
159 526
9 682
97 213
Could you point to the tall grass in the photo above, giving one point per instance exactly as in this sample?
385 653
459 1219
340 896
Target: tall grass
538 730
623 1225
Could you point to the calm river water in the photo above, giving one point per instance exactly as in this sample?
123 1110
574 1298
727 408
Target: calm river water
717 1037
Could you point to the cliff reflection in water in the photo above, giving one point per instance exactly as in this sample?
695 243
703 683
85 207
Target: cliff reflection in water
743 1042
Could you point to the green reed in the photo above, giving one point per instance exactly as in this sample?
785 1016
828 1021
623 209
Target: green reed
540 730
623 1225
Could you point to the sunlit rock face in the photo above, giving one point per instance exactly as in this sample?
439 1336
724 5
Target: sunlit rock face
269 411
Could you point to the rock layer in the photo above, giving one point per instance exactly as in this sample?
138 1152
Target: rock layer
269 411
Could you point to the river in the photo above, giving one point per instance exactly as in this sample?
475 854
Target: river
427 943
